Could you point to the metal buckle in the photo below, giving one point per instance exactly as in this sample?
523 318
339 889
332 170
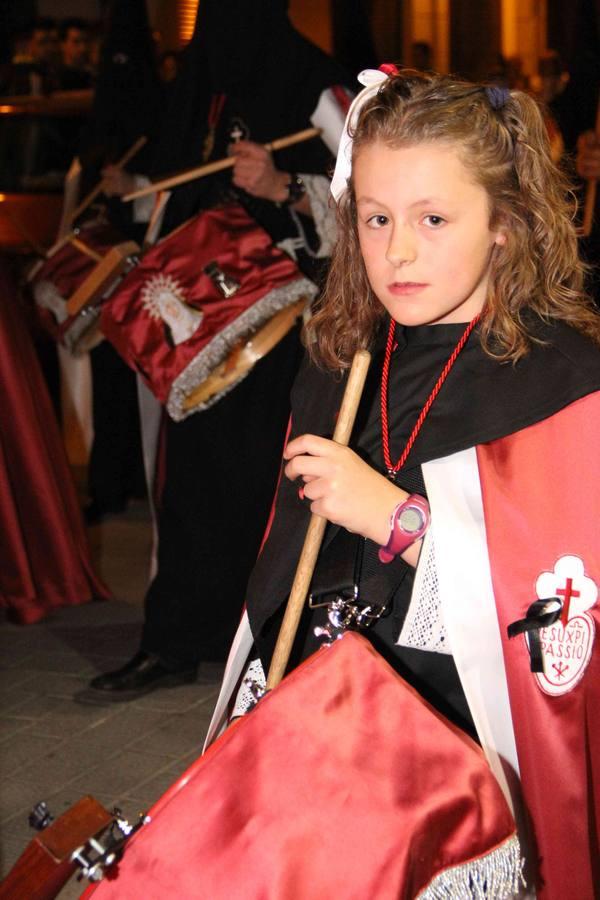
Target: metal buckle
346 614
226 284
98 853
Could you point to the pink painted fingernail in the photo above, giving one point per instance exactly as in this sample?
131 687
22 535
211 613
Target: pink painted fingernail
301 493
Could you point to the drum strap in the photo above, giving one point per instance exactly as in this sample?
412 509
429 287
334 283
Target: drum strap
217 103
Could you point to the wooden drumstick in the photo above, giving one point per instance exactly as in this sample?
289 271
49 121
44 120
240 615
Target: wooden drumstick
88 251
316 528
590 192
133 150
69 237
219 165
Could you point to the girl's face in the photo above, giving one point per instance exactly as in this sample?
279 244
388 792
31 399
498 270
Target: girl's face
423 227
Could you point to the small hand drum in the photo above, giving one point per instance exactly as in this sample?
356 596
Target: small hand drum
70 284
203 306
343 783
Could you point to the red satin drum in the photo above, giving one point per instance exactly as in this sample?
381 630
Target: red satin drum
202 306
342 782
70 284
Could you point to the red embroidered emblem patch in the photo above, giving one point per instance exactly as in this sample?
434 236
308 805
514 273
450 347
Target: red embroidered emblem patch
567 645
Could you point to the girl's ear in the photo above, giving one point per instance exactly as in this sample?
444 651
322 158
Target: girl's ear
500 238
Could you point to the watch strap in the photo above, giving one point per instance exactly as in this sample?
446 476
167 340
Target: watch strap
401 538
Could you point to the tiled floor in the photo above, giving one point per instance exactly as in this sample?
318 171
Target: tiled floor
57 749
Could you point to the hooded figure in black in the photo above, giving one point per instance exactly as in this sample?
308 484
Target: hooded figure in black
252 79
126 102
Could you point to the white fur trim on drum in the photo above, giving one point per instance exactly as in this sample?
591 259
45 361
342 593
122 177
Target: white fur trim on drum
495 876
246 324
47 296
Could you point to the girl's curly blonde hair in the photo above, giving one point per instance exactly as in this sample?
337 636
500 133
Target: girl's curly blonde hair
507 151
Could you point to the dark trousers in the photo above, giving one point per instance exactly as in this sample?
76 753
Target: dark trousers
222 467
116 469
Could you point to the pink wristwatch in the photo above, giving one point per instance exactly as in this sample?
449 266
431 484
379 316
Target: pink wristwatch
409 522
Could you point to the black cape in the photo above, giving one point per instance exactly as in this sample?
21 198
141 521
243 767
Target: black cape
482 400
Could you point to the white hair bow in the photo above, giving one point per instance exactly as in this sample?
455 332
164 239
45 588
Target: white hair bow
372 79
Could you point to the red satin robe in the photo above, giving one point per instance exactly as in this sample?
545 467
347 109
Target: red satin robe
44 555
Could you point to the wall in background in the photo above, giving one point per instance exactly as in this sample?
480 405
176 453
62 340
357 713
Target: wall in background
64 9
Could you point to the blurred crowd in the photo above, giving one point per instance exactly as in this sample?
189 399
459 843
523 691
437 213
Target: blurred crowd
49 55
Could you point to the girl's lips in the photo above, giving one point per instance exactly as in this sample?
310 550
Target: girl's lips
404 288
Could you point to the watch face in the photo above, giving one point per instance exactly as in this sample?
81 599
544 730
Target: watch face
411 519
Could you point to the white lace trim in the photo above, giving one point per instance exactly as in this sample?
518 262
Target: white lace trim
318 193
424 627
245 699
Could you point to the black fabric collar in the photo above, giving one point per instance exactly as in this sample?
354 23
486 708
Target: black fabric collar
482 399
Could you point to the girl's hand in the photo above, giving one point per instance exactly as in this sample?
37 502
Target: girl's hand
255 172
343 488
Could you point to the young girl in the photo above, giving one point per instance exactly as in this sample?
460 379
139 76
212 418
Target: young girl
465 502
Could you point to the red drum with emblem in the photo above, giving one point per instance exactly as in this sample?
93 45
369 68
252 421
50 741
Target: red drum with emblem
203 306
72 281
343 783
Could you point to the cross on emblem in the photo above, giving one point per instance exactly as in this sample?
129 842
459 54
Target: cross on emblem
567 592
567 648
236 133
560 669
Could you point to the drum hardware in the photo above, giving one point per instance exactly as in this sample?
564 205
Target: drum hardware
347 612
39 817
97 854
45 865
72 285
225 283
257 690
108 270
343 616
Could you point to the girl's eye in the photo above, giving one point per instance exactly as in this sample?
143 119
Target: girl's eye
434 221
377 221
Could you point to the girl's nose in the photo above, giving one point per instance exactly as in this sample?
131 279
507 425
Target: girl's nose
402 247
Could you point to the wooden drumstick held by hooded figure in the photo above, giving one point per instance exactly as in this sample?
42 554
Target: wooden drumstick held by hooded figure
218 165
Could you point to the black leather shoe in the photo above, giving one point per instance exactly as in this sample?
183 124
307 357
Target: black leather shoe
142 674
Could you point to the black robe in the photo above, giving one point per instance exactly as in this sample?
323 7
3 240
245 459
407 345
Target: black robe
480 401
221 464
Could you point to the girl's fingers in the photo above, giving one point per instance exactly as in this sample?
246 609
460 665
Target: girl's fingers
308 467
314 490
309 444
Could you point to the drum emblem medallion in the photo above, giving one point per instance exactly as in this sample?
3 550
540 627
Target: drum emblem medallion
164 298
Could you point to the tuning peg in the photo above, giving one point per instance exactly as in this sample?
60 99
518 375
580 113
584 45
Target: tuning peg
39 817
